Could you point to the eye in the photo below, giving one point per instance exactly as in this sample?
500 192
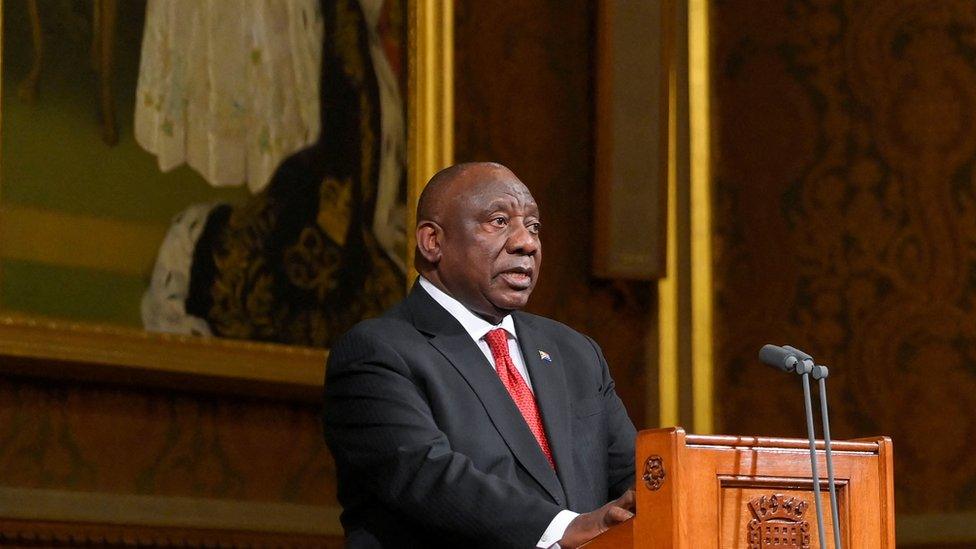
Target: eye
535 227
499 221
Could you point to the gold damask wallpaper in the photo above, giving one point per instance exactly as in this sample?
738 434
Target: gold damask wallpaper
845 184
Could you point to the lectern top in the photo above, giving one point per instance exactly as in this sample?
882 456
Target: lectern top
731 441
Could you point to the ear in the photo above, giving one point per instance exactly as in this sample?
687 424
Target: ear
429 236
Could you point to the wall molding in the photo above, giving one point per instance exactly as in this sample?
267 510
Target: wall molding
168 511
936 528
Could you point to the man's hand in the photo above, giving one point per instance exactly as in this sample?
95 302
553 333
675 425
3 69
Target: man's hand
590 525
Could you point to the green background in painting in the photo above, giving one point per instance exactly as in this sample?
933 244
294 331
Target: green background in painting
54 159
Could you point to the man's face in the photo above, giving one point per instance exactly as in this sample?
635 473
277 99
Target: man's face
490 251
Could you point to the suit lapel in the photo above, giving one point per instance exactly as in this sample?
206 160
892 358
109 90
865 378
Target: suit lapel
450 339
549 385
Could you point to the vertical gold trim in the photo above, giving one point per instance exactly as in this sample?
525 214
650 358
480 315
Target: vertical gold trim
701 216
668 287
431 107
1 140
668 319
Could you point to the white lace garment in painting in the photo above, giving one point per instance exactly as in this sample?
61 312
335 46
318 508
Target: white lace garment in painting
230 87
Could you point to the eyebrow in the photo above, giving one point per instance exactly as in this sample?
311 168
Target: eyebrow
500 203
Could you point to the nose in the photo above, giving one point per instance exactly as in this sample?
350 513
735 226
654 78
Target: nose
522 241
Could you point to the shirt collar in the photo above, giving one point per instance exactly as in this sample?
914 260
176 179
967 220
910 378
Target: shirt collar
476 326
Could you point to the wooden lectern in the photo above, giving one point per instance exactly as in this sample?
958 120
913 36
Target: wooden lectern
699 492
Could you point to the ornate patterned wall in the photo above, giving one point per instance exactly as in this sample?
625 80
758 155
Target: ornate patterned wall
124 441
70 438
845 164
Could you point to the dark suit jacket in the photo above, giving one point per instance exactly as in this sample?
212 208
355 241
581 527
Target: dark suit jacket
431 451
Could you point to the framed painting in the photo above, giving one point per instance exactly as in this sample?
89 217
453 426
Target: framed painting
211 190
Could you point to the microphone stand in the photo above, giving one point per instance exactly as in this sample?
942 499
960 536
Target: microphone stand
790 359
803 368
820 373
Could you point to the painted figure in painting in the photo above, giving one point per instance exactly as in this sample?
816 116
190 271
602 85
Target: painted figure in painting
321 244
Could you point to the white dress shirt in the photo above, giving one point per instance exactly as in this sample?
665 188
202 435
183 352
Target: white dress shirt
477 328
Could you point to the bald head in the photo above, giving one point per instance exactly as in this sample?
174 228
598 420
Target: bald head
478 237
443 187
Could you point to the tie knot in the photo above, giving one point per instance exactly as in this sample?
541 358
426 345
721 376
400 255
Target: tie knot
497 340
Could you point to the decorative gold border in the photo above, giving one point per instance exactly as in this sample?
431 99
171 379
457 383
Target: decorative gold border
685 295
61 349
668 287
431 103
699 136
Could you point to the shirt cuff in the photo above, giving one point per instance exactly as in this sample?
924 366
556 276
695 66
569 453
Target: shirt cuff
550 538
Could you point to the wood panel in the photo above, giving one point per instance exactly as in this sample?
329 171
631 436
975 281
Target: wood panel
749 492
16 534
524 97
93 438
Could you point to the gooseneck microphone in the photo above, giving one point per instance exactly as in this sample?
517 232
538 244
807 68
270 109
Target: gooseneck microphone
778 357
790 359
820 374
784 359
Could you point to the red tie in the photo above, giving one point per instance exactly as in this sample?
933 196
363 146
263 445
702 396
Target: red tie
498 343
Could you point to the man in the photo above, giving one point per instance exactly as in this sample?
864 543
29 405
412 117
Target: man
458 421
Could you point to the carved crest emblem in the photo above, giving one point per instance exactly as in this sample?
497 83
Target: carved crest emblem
778 522
654 472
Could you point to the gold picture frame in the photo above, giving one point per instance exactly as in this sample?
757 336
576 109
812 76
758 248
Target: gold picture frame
34 346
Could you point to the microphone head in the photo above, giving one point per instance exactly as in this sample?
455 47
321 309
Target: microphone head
799 354
778 357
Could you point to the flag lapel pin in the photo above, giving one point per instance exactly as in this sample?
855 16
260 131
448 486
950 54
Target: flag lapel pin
545 356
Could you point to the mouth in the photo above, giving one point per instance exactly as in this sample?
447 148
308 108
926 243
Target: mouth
518 278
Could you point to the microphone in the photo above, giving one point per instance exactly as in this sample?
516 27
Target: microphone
805 359
820 373
799 354
779 357
815 473
789 359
